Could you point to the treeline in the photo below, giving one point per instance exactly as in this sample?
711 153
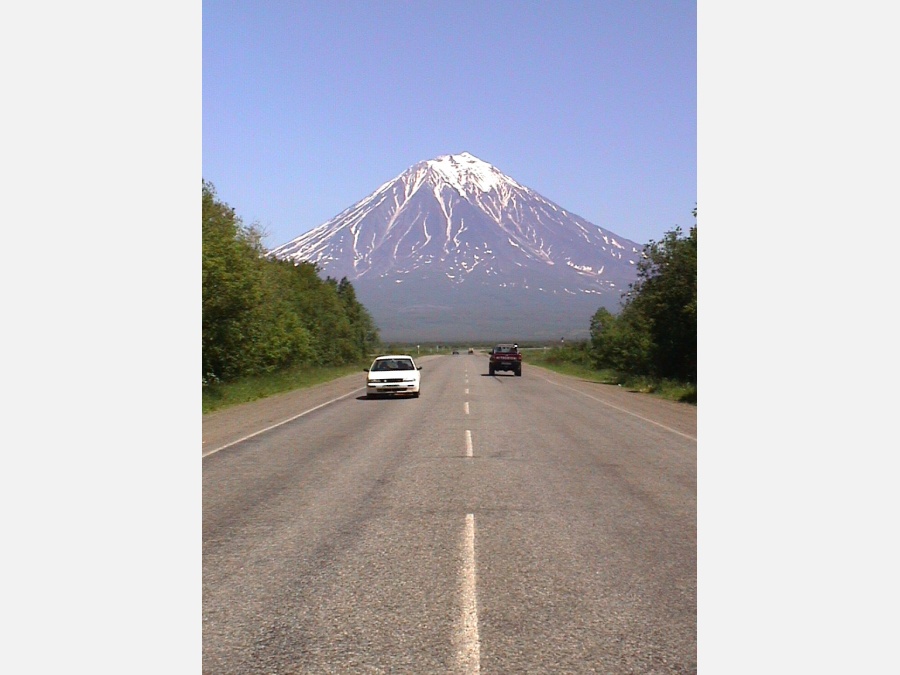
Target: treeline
261 315
655 334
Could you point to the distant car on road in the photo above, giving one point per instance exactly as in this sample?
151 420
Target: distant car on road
471 351
505 357
392 375
455 352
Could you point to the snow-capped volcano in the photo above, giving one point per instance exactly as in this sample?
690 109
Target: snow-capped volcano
453 242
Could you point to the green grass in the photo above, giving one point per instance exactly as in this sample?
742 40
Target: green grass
667 389
247 389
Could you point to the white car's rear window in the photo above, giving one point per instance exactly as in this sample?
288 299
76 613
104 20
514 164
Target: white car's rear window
393 364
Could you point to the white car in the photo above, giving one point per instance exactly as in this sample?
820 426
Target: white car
392 375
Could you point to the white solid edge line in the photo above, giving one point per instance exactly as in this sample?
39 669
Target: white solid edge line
262 431
628 412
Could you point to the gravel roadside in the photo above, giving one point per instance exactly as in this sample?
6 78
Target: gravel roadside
223 427
226 426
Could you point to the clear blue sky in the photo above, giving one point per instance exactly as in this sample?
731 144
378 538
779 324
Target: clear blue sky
311 106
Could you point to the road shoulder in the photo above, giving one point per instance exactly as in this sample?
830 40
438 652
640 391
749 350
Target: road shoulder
223 427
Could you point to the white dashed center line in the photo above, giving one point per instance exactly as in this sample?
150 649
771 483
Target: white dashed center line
468 652
466 406
469 452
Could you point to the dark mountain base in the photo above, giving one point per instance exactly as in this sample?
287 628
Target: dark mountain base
432 311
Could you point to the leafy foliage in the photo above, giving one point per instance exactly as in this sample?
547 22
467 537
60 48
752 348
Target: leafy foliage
262 315
622 342
655 334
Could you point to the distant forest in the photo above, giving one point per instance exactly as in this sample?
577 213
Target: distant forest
262 315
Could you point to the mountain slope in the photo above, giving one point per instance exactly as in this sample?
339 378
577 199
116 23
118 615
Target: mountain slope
454 249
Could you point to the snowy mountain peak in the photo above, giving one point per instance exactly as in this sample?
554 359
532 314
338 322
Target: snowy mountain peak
453 240
468 174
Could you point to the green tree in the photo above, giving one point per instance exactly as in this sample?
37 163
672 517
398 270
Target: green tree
364 332
262 314
666 296
620 342
656 332
232 287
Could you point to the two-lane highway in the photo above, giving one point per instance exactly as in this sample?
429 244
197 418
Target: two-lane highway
495 524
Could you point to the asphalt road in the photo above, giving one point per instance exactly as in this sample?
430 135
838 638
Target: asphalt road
534 524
